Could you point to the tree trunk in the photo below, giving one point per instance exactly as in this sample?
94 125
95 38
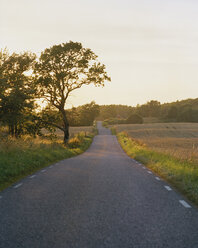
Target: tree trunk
66 126
15 131
11 130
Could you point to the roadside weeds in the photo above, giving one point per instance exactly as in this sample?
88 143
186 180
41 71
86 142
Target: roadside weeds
20 158
182 174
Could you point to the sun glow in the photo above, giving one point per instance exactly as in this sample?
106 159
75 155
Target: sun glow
149 48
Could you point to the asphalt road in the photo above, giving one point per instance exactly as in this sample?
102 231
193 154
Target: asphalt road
101 198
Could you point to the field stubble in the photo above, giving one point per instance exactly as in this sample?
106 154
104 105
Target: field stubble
177 139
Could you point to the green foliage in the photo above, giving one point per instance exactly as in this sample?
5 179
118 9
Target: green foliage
73 142
150 109
16 92
83 115
113 131
172 112
188 115
134 119
76 140
180 111
115 112
95 130
181 173
64 68
113 121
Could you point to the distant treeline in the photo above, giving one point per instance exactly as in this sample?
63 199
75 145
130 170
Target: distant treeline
179 111
26 81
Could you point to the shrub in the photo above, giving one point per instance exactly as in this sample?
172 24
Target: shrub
134 119
74 142
113 121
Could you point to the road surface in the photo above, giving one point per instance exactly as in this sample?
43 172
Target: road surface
101 198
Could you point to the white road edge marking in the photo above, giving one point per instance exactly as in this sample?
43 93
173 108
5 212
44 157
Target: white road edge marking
157 178
17 186
185 204
143 167
43 170
149 172
168 188
32 176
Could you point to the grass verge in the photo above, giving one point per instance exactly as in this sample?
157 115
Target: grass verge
19 158
182 174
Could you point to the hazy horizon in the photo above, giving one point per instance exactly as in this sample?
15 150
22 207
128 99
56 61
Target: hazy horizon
149 48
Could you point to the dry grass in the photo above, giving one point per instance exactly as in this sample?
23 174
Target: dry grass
73 131
151 120
177 139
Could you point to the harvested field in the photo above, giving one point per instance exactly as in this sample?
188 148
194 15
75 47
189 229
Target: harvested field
177 139
75 130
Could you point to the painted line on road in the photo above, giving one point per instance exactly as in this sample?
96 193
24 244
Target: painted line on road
157 178
168 188
1 197
144 167
32 176
185 204
17 186
43 170
149 172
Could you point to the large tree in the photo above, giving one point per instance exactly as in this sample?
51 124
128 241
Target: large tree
16 91
64 68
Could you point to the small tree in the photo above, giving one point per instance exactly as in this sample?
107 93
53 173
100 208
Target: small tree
64 68
88 113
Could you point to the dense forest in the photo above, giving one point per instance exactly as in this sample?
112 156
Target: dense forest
179 111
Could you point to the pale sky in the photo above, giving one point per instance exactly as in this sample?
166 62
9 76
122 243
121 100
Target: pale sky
149 47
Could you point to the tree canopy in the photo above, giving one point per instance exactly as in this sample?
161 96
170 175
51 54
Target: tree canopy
16 91
64 68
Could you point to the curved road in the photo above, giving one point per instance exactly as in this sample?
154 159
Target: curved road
101 198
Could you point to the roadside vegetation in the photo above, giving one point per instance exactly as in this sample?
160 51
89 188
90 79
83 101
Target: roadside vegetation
33 100
21 157
182 173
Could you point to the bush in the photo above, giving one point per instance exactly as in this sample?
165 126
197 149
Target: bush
134 119
74 142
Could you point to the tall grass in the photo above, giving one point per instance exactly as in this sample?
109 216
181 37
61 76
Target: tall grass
21 157
180 173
